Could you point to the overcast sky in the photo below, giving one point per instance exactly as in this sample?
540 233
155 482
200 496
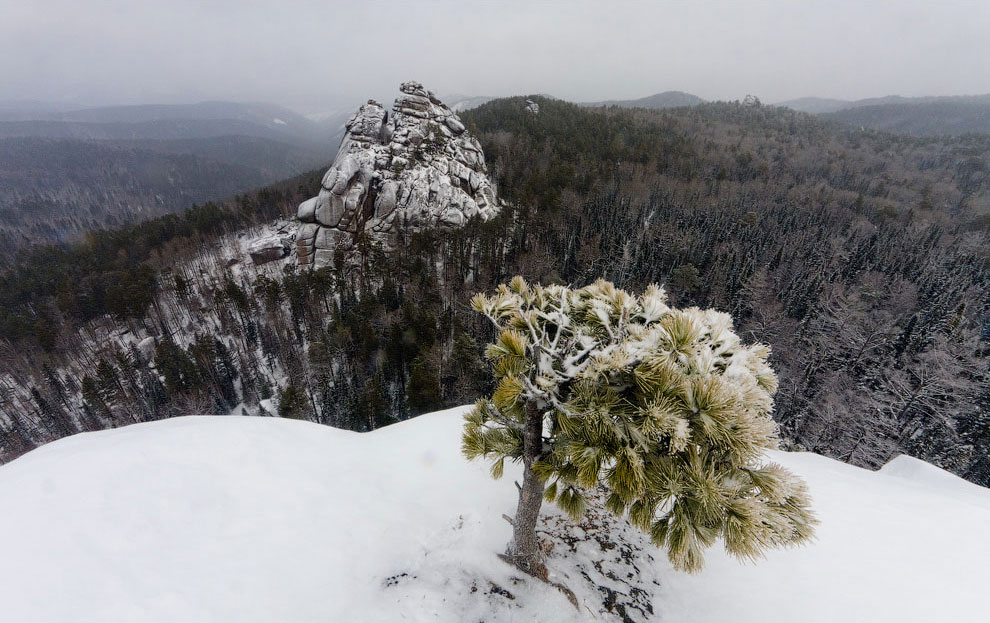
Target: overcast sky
313 56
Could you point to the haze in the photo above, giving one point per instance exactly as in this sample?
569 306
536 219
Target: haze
317 56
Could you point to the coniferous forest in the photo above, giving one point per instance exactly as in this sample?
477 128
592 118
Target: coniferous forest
862 259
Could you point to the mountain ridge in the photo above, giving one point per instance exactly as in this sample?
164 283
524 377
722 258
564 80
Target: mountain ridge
914 116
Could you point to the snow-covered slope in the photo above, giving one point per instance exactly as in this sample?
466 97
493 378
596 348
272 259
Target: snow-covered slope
261 519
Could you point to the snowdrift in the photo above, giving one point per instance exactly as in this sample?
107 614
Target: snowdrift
261 519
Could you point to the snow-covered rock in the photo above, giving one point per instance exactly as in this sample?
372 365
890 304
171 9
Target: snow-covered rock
147 348
215 519
267 249
418 168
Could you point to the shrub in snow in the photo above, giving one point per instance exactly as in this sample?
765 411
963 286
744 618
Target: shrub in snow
665 407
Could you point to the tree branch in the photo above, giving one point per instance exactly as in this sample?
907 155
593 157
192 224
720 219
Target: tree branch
501 419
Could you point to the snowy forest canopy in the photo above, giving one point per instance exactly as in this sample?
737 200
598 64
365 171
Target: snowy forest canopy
860 257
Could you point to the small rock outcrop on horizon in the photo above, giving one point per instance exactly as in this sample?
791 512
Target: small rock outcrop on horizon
415 169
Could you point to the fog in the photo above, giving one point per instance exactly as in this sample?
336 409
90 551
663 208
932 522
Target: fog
317 56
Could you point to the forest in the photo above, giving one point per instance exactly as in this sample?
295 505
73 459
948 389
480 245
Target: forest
862 259
55 190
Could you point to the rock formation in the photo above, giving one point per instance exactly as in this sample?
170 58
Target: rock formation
267 249
415 170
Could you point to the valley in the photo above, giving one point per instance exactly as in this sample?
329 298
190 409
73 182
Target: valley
861 259
494 312
66 174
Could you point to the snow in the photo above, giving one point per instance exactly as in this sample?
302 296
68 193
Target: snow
246 519
921 473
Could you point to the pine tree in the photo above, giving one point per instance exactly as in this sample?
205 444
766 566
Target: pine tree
108 381
292 403
91 395
664 407
55 383
423 391
372 404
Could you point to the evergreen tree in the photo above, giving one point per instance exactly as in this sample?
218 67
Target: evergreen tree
292 403
466 372
664 407
176 366
45 409
91 395
108 381
423 391
54 382
372 404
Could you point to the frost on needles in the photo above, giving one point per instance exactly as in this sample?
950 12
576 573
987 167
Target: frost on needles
664 407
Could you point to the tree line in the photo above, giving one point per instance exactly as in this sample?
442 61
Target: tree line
861 258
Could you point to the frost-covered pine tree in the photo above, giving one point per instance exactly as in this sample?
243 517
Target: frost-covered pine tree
664 407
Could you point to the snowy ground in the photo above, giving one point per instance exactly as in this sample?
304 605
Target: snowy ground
261 519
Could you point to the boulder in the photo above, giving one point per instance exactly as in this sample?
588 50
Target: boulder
307 210
267 249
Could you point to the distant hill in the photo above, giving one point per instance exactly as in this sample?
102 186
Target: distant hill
160 129
22 109
667 99
63 173
273 160
924 117
915 116
166 122
261 113
54 190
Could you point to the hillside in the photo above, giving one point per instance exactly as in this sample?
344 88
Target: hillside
161 121
927 117
860 258
913 116
258 519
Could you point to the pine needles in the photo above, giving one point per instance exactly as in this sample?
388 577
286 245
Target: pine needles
665 407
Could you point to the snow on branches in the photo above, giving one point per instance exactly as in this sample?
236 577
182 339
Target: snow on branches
665 407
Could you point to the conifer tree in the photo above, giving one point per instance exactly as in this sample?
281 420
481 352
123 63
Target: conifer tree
664 407
423 391
292 403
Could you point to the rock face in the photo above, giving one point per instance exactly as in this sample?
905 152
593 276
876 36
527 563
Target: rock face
415 169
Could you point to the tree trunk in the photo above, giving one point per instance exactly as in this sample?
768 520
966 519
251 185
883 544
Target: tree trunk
524 551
